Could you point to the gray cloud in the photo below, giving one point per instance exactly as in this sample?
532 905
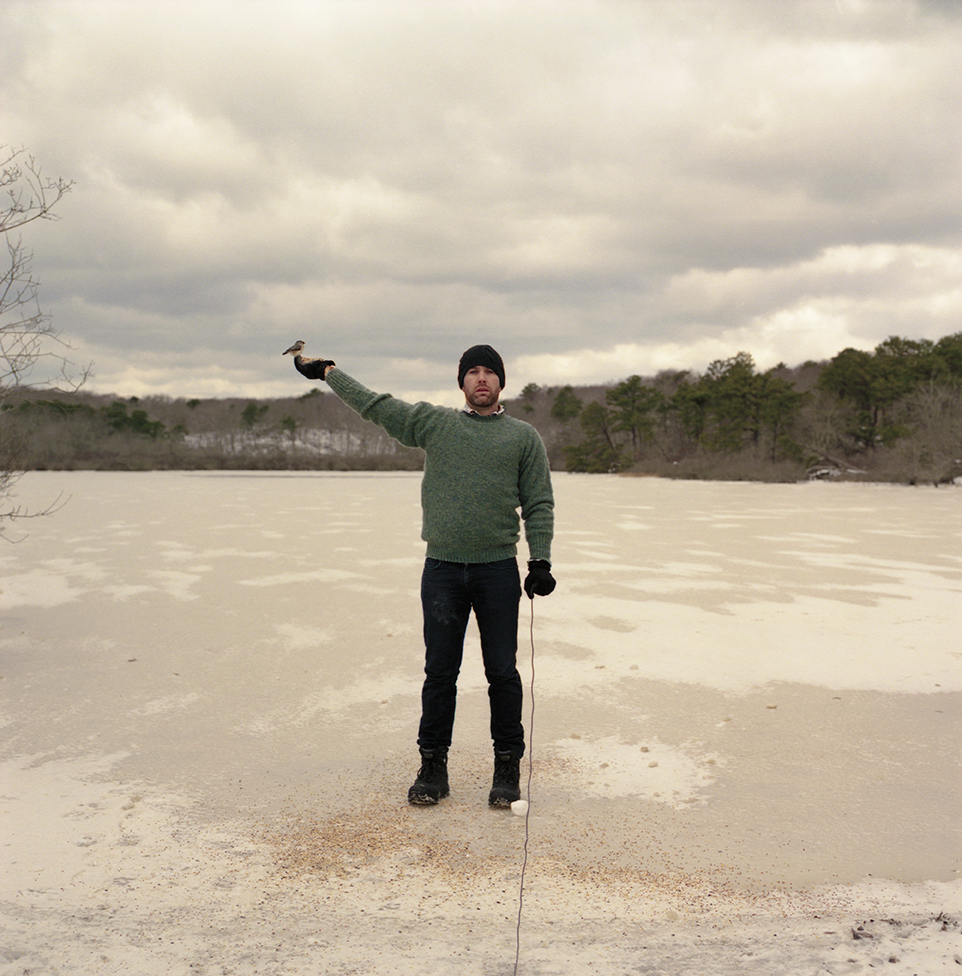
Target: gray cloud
597 188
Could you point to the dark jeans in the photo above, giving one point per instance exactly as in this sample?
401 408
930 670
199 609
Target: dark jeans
449 592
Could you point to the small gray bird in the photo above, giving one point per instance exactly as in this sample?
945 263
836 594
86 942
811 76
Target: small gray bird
313 369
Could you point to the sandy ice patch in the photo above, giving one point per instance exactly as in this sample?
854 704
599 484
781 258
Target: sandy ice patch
305 578
38 588
54 811
363 698
610 767
169 703
297 637
179 585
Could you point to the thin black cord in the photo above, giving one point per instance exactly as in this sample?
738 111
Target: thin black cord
527 813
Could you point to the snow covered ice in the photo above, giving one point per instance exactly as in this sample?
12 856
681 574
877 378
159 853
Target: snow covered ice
745 745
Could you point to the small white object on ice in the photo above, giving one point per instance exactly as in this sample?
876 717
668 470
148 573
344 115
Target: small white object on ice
519 808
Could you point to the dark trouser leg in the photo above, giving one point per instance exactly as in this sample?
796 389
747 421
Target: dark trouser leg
495 594
446 606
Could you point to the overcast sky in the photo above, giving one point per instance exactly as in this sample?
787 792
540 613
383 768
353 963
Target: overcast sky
595 188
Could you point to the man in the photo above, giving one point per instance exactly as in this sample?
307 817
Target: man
481 467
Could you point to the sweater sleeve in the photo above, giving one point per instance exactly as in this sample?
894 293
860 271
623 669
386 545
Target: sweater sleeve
405 422
537 499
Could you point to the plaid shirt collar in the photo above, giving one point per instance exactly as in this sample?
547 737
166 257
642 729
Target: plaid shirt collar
467 408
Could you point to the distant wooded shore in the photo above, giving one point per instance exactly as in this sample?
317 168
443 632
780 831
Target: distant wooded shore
894 414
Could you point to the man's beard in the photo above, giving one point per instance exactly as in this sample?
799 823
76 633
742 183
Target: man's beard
482 398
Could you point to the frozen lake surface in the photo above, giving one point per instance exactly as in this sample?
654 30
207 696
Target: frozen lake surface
747 704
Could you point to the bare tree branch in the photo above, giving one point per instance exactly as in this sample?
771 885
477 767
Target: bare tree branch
27 335
31 195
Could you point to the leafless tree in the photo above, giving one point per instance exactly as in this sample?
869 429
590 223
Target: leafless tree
27 334
933 415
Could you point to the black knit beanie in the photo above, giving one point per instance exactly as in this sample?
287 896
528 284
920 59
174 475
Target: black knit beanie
481 356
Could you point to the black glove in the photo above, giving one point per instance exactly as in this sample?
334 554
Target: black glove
313 369
539 579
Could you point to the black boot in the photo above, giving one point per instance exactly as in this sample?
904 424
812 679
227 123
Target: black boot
432 782
505 788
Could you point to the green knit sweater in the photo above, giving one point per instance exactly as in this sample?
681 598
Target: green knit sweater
478 473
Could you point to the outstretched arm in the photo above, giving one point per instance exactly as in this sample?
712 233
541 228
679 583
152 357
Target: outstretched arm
405 422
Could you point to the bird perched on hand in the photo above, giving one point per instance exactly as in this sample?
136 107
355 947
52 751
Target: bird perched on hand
313 369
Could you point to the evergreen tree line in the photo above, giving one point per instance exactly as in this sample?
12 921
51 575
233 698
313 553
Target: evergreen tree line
892 414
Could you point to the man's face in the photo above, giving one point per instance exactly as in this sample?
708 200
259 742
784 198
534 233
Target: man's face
482 389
